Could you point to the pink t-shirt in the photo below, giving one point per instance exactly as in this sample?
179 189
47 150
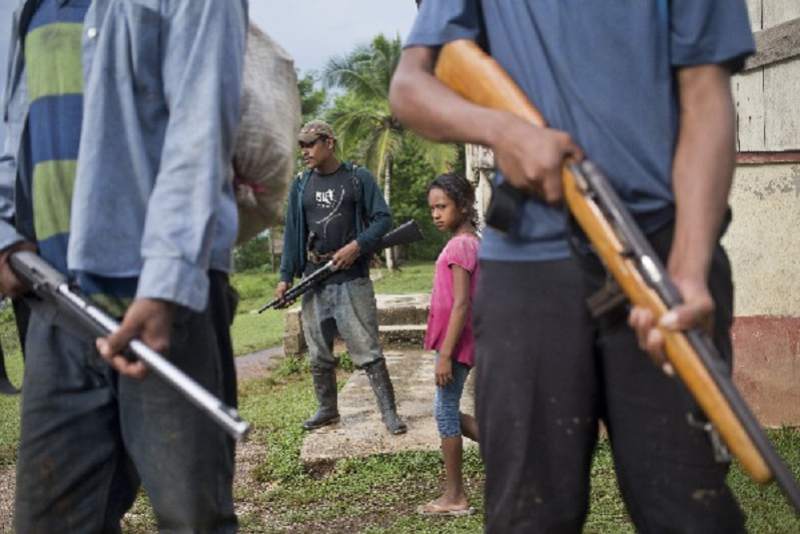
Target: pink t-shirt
461 250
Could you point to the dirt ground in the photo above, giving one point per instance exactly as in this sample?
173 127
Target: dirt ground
7 483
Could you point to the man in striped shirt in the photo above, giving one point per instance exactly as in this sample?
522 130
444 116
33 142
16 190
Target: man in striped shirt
120 121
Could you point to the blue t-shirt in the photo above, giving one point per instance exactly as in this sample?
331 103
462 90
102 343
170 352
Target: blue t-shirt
605 73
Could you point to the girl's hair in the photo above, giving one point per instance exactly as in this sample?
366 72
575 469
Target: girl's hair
460 191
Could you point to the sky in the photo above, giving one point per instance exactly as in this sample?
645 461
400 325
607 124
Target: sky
312 31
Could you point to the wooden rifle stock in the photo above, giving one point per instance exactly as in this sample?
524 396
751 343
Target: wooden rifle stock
470 72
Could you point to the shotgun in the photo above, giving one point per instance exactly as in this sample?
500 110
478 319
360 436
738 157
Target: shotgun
406 233
629 258
50 285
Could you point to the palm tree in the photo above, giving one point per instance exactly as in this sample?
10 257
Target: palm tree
362 118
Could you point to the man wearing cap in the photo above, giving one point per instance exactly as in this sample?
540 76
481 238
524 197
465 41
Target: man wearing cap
336 212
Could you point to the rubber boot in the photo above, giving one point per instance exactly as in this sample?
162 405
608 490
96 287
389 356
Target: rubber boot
325 389
381 384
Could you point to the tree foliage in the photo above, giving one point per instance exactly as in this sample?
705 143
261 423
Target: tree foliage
312 98
369 134
366 128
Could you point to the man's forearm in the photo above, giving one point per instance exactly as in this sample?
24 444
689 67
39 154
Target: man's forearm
369 239
702 168
427 106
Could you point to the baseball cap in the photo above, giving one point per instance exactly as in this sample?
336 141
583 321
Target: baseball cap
313 129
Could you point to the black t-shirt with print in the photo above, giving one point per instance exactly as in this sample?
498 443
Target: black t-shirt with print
329 201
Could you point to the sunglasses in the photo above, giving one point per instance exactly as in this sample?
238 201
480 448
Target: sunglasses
312 143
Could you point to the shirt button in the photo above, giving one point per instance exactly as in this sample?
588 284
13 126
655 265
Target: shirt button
91 33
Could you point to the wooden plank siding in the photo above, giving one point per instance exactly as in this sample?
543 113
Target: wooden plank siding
767 98
775 44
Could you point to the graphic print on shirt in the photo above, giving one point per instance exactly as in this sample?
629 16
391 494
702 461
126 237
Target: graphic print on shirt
329 204
325 201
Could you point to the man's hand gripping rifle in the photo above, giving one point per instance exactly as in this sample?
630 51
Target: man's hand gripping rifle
50 285
629 258
404 234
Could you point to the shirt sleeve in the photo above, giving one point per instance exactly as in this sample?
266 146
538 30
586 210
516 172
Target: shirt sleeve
440 22
203 56
379 216
710 32
462 251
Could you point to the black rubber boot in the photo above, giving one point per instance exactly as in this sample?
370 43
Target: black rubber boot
381 384
325 389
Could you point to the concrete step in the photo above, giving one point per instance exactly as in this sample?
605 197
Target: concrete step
402 335
360 432
403 309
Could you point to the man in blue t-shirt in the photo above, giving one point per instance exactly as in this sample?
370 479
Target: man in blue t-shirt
643 89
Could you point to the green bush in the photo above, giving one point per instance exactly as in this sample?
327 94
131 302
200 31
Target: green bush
409 200
255 254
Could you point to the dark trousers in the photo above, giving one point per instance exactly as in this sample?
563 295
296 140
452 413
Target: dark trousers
89 436
547 374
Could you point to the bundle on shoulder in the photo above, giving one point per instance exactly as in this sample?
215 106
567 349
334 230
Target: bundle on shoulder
263 162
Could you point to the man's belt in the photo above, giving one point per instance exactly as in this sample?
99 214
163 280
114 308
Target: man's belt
317 258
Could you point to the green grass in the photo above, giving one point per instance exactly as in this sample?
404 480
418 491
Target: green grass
9 413
379 494
9 406
252 331
765 506
412 277
374 494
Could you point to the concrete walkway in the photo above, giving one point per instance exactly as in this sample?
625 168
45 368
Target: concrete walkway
257 364
361 431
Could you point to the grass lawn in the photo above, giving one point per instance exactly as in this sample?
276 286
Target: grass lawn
379 494
414 277
252 331
9 406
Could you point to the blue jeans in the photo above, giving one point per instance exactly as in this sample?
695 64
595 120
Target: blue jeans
89 436
447 402
348 308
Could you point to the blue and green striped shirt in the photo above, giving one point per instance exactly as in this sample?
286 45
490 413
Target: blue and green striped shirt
55 91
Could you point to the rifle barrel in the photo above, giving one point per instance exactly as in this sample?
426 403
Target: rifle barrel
50 285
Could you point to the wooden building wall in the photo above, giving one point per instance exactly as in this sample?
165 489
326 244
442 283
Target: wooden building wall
764 238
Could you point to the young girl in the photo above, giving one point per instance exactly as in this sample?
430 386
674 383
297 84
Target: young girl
451 199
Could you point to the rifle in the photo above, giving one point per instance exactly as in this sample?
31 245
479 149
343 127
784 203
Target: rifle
51 286
629 258
406 233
